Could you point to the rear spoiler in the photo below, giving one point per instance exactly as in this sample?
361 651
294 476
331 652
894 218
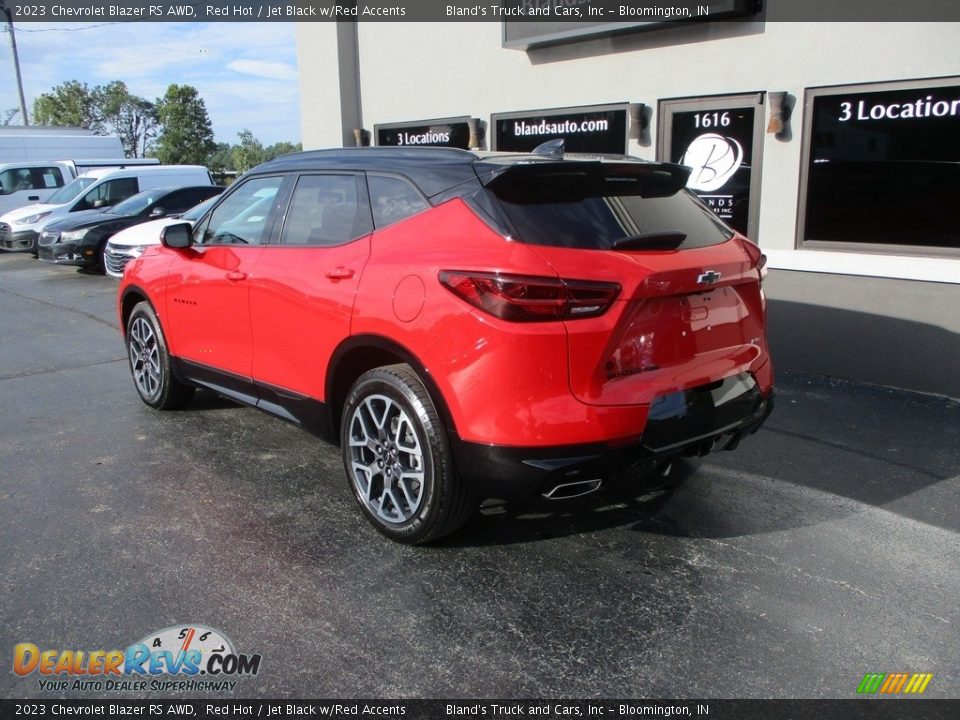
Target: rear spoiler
542 180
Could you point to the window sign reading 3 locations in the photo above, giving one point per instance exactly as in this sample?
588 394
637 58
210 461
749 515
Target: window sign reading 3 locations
445 132
883 164
718 146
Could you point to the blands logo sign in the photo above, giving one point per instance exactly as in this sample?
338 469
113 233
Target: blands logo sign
894 683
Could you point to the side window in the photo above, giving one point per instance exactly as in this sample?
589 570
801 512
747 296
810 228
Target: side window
241 219
393 200
108 193
15 180
181 200
47 178
325 210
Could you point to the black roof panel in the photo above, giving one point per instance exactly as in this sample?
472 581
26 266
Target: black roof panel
432 169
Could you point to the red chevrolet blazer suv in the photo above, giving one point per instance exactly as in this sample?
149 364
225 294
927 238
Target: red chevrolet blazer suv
464 325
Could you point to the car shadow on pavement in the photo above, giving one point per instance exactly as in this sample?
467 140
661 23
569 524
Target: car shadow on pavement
208 400
832 449
638 504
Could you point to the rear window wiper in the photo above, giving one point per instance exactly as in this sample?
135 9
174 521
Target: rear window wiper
665 239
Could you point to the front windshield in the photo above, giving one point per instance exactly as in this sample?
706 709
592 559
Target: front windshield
71 190
197 211
134 205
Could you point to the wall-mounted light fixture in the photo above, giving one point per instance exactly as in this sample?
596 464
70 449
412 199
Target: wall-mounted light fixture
640 115
477 128
781 108
362 137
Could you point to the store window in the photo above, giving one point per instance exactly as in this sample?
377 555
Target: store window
881 167
720 138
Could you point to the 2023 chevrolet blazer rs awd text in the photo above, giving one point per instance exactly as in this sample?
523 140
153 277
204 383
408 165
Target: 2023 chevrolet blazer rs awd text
464 325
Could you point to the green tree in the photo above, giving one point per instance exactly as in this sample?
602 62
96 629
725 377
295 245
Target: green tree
248 153
221 159
187 135
281 148
104 109
131 118
69 104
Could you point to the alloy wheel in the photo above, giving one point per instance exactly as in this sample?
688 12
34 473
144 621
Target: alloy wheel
145 358
386 459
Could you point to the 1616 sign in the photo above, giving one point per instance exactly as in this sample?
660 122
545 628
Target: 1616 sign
718 145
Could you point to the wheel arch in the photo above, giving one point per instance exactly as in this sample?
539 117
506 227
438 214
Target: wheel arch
132 295
360 353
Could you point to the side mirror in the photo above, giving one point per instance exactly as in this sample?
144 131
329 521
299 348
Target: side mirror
158 211
178 236
99 203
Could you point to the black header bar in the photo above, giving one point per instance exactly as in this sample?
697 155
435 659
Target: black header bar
202 709
588 15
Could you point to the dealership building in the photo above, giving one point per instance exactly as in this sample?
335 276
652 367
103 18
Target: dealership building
834 145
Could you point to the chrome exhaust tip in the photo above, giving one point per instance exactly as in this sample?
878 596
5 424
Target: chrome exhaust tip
577 488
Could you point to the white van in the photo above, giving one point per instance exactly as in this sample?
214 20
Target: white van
23 144
93 190
28 182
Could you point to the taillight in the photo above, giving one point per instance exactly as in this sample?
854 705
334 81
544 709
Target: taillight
757 258
523 298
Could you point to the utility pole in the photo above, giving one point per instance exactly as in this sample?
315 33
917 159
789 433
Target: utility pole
8 14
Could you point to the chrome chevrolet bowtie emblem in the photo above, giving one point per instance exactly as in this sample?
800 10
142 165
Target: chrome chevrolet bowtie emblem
708 278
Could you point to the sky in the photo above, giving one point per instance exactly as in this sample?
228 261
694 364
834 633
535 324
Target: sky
246 72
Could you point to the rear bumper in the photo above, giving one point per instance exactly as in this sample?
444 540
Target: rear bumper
695 422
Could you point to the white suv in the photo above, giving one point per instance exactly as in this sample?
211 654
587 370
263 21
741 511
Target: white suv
130 243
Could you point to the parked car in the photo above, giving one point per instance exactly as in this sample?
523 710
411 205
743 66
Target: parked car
94 190
128 244
82 240
465 325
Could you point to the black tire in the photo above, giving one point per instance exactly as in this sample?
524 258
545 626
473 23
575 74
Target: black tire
423 499
150 361
101 266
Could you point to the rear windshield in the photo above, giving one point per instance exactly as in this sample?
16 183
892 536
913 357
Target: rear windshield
599 218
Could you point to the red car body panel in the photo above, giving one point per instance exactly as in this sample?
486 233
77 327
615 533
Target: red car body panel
208 306
301 304
666 332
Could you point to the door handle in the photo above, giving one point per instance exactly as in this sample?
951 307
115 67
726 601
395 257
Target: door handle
339 273
33 197
236 275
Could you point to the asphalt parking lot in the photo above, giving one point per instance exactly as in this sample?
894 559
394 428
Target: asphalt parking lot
824 548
